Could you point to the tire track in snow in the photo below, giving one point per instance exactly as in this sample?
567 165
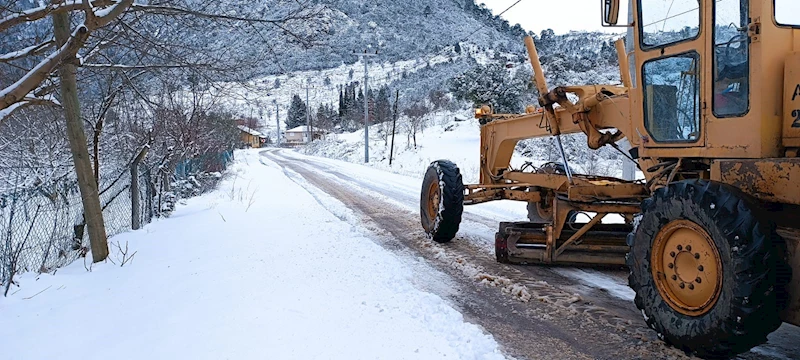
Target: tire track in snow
605 288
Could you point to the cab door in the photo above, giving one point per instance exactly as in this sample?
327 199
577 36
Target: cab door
670 111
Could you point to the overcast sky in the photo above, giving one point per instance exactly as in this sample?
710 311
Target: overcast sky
559 15
565 15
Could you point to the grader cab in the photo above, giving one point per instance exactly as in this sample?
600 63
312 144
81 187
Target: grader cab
711 109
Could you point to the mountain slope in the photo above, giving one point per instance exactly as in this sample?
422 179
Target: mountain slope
402 30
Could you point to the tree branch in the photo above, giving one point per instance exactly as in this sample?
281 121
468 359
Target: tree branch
43 11
20 89
139 67
27 101
31 50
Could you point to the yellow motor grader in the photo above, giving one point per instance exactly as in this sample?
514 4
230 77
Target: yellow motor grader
710 104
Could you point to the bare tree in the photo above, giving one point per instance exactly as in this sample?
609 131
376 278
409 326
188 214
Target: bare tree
416 116
128 44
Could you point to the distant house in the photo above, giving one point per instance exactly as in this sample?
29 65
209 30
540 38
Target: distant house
250 137
299 135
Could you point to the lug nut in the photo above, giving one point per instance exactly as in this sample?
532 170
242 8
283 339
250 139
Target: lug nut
698 280
688 247
682 285
671 265
697 256
691 286
680 247
700 268
672 253
674 277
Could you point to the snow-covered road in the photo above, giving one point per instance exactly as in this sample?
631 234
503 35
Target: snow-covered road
255 270
480 221
580 311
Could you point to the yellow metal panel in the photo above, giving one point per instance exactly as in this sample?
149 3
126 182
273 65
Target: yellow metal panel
774 180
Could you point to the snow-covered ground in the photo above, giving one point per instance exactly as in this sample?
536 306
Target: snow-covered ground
256 269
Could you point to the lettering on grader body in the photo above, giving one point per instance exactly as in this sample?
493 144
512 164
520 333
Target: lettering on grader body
796 113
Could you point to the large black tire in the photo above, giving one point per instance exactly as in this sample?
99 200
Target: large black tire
441 220
747 306
535 215
539 214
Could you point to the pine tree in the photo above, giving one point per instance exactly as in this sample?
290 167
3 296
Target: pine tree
341 101
321 119
359 103
297 113
383 108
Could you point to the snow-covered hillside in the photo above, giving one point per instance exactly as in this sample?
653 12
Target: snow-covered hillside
444 137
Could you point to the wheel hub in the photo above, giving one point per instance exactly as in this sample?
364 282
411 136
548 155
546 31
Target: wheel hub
434 197
687 267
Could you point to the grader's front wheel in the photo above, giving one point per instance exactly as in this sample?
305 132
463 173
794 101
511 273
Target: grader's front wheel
704 264
686 267
442 200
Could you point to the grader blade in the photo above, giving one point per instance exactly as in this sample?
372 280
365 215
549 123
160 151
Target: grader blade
532 243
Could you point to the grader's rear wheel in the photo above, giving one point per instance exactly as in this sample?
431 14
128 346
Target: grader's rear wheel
704 264
542 212
442 200
539 214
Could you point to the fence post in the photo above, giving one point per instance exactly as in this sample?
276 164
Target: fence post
150 193
135 206
136 209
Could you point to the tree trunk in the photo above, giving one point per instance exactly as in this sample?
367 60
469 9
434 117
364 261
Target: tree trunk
98 130
90 197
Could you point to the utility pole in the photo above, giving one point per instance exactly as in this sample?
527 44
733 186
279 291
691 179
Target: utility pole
394 122
278 124
309 133
366 104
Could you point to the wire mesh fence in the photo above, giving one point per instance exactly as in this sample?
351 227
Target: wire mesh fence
42 227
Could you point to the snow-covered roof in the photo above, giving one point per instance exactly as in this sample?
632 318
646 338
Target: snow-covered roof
250 131
302 129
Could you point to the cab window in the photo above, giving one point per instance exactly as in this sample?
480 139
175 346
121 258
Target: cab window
787 12
666 22
672 98
731 58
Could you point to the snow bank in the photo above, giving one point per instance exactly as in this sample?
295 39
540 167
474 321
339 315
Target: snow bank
256 269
